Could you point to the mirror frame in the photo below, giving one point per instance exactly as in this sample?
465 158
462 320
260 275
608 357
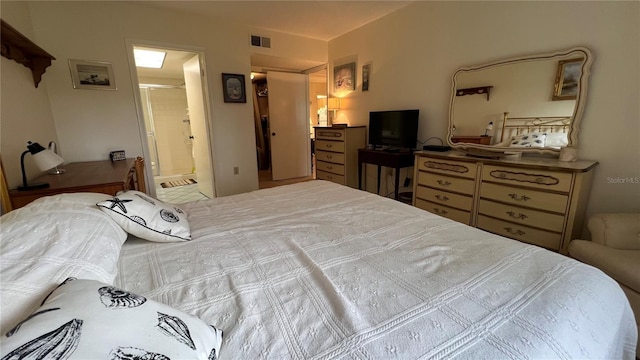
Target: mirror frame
579 107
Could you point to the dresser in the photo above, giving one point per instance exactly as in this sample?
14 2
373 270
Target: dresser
540 201
336 150
102 176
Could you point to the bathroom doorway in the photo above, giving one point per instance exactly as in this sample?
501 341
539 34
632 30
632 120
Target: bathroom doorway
174 120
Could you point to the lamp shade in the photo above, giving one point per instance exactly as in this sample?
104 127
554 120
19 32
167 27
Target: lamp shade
334 103
47 159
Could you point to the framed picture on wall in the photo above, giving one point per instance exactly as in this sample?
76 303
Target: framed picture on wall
366 72
233 88
344 77
92 75
567 79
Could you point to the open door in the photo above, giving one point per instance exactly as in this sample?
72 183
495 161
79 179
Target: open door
289 125
198 121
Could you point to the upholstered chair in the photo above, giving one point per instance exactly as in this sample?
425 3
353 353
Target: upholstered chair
615 249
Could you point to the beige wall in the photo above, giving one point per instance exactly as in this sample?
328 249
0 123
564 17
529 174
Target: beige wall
416 50
25 113
91 123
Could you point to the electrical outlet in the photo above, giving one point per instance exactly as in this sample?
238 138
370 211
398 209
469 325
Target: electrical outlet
236 170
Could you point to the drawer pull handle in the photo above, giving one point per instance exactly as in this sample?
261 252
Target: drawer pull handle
329 167
442 198
514 232
440 212
329 157
330 177
519 216
444 183
329 146
516 197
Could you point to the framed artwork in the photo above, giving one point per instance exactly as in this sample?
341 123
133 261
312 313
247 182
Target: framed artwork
92 75
233 88
567 79
344 77
366 71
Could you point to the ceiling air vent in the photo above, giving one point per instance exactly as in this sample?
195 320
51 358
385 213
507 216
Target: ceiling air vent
260 41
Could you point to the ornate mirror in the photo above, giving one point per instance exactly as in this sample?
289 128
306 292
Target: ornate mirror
526 104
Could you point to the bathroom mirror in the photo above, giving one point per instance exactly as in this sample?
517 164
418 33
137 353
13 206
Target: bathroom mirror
526 104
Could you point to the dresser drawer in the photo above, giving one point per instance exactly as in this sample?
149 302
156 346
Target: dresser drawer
547 239
539 179
323 175
330 167
524 197
445 211
456 168
337 146
445 182
548 221
330 134
445 198
337 158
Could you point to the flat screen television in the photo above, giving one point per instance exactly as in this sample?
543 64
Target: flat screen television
393 129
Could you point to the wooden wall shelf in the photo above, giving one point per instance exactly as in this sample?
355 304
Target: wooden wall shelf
18 47
474 91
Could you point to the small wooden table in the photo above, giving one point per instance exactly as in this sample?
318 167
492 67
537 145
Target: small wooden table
103 176
395 160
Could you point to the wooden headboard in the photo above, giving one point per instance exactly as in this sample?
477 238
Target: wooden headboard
5 200
521 125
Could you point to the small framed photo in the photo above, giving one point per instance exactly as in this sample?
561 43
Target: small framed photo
366 72
233 88
567 79
92 75
344 77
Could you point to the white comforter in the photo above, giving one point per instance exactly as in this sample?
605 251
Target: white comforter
317 270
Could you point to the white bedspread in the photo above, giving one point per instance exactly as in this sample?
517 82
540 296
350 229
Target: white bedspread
318 270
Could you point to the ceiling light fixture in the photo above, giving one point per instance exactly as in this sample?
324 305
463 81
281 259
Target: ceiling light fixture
149 58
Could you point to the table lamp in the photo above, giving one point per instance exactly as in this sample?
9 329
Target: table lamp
55 171
488 128
44 159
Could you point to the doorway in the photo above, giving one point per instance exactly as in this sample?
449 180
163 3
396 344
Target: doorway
174 124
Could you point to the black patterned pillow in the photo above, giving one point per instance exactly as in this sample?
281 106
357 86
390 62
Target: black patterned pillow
528 140
147 218
86 319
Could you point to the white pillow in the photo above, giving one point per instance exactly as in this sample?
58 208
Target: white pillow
86 319
147 218
528 140
556 139
49 240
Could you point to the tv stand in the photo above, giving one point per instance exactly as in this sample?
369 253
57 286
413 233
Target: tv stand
400 158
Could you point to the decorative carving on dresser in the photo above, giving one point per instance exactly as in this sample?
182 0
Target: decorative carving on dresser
447 167
524 177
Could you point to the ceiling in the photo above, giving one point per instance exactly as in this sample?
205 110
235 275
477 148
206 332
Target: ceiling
322 20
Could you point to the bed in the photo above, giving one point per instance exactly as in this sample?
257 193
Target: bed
536 131
317 270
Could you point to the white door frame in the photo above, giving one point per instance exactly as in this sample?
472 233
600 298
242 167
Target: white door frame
130 44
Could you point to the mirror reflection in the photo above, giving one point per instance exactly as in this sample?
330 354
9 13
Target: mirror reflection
531 103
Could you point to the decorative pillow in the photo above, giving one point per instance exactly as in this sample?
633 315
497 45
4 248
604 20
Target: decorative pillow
86 319
528 140
147 218
556 139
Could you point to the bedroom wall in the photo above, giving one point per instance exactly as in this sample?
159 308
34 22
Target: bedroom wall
91 123
20 123
415 51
